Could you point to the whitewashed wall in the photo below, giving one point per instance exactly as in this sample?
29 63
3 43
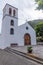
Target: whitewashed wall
8 38
22 31
6 25
19 31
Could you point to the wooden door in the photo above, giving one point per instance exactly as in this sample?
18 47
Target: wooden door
27 39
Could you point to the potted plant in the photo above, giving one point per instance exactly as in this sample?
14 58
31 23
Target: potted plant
29 49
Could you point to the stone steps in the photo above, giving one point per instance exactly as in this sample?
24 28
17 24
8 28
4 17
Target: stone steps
33 58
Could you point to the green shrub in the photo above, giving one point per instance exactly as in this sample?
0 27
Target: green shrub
39 39
29 49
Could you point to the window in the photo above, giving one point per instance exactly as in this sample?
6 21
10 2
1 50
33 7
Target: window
13 12
11 31
12 22
10 10
26 28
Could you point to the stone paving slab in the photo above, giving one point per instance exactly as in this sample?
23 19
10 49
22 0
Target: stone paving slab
13 59
37 50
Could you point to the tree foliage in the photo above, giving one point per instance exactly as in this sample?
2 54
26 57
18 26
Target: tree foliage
39 29
40 4
39 32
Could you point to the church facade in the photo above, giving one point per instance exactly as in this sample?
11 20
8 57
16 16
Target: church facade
12 34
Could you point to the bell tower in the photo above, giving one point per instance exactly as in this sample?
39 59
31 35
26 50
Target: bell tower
9 24
10 10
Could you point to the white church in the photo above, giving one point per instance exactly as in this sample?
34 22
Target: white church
11 33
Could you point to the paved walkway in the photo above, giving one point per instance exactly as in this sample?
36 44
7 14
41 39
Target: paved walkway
37 50
13 59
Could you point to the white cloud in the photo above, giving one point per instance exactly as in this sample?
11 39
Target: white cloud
26 9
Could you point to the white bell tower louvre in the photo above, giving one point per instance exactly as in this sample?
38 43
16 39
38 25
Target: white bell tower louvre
9 24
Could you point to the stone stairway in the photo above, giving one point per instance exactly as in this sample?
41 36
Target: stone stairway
12 57
28 56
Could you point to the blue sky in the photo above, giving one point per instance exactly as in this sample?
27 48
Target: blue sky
26 10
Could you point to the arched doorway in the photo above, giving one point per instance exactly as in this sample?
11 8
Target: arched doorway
27 39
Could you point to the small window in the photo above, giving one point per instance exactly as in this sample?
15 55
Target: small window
26 28
10 11
13 12
12 22
11 31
